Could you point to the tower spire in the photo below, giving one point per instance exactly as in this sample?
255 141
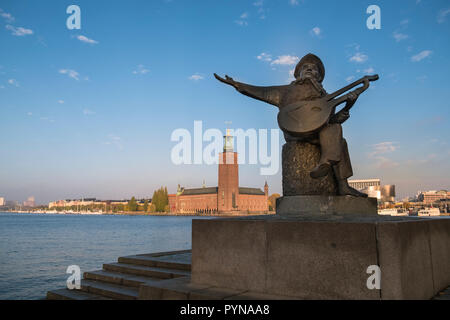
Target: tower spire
228 139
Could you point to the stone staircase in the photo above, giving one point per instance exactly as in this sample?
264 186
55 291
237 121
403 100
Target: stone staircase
122 280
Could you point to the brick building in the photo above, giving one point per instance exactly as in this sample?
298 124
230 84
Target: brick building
227 197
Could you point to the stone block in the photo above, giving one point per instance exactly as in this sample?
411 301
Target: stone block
440 252
322 205
229 253
320 260
405 260
298 159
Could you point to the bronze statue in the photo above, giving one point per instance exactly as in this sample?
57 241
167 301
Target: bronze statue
307 113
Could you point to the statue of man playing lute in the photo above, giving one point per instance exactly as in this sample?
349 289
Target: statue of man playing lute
308 113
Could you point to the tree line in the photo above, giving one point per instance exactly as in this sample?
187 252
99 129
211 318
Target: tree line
159 203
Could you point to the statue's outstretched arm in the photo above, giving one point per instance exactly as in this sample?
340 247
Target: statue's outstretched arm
270 95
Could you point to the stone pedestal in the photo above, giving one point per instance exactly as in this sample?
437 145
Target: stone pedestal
323 258
324 205
298 159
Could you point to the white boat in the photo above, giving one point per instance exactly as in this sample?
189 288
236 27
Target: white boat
388 212
429 212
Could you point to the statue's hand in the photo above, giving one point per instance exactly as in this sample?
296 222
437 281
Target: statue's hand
340 117
228 80
352 97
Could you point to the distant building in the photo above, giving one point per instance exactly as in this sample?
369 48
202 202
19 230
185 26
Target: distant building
227 196
90 201
374 189
364 183
29 202
429 197
2 202
11 203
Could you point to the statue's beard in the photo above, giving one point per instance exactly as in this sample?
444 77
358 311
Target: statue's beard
316 84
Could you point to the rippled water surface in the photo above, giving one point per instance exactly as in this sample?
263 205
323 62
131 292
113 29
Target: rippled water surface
35 249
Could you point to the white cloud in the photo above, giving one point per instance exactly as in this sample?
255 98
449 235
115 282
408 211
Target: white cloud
293 2
114 140
315 31
29 114
196 77
13 82
71 73
19 31
350 78
359 57
7 16
422 55
241 23
385 163
88 112
285 60
369 70
47 119
442 16
264 57
399 36
141 70
291 75
421 78
60 101
383 148
86 39
404 22
261 11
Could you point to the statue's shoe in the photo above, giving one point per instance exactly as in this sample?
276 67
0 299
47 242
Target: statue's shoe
349 191
320 171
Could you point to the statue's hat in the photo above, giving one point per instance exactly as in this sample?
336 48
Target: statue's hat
310 58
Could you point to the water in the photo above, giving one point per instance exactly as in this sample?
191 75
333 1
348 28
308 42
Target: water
36 249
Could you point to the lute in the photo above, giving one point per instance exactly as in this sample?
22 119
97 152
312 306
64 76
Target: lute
306 117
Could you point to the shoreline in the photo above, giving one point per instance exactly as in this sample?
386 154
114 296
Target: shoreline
132 213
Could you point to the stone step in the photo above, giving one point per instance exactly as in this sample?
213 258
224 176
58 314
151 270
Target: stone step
123 279
66 294
142 270
179 261
183 289
109 290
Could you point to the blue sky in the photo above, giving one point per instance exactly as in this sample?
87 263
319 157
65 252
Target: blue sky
90 112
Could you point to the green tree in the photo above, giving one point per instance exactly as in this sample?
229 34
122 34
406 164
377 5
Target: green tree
160 199
146 205
132 204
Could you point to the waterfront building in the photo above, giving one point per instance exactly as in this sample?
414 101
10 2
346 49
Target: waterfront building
364 183
2 202
228 196
429 197
374 189
29 202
